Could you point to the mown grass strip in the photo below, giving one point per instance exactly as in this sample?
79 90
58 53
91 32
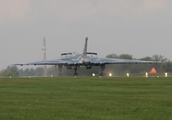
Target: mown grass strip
86 98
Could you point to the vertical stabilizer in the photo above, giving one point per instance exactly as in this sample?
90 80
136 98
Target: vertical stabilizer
85 48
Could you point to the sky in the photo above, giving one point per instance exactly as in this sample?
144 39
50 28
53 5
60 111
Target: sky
137 27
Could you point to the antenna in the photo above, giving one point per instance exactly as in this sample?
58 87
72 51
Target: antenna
44 55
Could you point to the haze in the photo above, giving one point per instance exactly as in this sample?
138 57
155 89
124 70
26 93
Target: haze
137 27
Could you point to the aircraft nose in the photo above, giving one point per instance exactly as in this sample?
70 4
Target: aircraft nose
86 61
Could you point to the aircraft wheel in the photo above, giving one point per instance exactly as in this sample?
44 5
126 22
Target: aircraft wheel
75 74
101 74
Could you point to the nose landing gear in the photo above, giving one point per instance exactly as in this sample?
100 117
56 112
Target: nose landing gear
75 73
102 70
60 70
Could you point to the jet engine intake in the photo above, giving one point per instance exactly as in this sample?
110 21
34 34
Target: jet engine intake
86 61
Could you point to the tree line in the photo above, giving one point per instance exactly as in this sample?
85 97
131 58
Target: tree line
165 66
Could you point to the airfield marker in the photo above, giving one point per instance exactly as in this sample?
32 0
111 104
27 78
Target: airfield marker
110 74
128 75
93 74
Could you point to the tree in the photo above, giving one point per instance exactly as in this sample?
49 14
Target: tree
167 67
159 58
10 71
31 72
122 56
147 58
112 56
125 56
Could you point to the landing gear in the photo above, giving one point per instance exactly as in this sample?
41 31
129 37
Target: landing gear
102 70
60 70
75 73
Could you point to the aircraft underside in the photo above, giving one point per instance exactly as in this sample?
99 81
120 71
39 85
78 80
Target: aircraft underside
75 67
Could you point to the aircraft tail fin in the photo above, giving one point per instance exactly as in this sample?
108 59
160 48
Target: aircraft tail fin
85 48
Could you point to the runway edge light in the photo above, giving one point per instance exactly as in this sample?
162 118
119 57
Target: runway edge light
146 75
110 74
93 74
128 75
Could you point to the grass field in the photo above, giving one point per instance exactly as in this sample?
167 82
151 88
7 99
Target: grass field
86 98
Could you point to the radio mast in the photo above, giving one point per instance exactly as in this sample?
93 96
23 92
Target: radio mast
44 55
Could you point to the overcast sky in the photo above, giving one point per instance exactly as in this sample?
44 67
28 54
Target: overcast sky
137 27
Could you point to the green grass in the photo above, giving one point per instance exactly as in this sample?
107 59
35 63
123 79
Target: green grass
86 98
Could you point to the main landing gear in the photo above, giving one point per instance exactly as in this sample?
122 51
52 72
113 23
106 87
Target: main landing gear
60 70
102 67
75 73
102 70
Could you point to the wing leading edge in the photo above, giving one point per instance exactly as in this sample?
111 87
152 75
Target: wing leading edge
49 62
119 61
92 61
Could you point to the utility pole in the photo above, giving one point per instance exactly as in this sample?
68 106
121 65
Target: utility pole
44 55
